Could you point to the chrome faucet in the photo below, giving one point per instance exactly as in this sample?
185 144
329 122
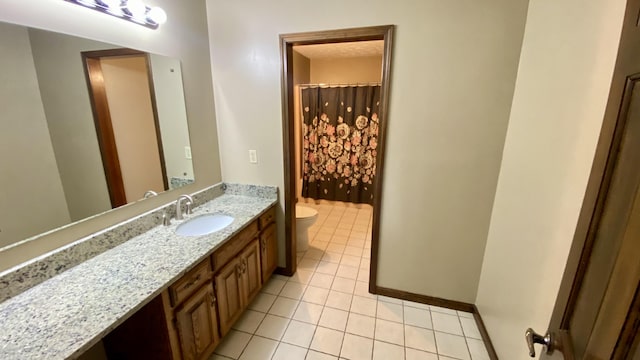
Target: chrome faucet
188 205
149 194
166 218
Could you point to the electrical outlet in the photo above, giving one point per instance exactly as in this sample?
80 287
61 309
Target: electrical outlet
253 156
187 152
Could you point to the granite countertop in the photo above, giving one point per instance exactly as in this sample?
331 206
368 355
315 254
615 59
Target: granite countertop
67 314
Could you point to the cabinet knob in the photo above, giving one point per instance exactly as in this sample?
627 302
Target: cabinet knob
213 300
239 270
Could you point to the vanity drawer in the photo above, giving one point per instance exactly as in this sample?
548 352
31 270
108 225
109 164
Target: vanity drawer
189 283
267 218
229 250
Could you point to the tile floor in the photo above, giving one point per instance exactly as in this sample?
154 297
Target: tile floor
325 311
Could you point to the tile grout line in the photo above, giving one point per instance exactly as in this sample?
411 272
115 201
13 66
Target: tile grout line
375 327
252 334
465 337
404 332
261 322
290 319
362 244
435 340
288 324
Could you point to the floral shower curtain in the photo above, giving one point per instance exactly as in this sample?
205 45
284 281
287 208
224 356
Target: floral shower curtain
340 137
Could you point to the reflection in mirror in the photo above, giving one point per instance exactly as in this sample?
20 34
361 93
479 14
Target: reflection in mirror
51 156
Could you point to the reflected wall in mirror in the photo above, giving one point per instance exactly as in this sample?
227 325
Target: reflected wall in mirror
50 154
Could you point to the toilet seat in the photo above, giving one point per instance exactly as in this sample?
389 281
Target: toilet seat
303 212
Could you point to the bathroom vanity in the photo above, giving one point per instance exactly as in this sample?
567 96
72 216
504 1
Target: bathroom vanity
192 314
157 295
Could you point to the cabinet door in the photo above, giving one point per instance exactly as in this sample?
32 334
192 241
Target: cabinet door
269 251
229 294
197 325
251 271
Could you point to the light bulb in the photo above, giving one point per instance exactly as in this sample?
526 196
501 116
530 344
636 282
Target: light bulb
132 10
88 3
157 15
113 6
137 9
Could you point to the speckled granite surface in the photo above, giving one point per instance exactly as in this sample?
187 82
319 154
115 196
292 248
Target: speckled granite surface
31 273
177 182
251 190
67 314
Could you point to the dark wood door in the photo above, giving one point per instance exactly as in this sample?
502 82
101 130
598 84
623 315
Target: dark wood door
197 325
229 294
596 312
269 249
115 142
251 271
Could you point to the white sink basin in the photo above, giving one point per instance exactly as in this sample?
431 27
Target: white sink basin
204 224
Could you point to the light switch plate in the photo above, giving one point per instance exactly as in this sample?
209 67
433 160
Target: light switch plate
187 152
253 156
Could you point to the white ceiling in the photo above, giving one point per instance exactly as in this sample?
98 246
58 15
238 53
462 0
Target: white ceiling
341 50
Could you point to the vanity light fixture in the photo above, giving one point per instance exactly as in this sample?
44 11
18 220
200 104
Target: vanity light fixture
133 10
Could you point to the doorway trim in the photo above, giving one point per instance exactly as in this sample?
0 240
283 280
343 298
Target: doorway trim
287 42
102 119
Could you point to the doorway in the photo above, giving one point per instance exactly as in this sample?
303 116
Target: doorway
287 42
126 118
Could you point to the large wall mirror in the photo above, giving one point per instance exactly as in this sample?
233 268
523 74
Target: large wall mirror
71 108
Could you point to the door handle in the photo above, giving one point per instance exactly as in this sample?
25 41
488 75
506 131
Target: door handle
213 299
533 337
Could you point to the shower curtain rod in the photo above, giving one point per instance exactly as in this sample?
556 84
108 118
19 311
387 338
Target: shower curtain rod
306 86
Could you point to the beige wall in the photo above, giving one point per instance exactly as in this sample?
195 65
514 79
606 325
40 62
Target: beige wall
63 88
454 66
172 115
561 92
30 183
301 69
346 70
301 75
126 85
184 36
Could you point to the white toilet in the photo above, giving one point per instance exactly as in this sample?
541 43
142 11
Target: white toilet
305 217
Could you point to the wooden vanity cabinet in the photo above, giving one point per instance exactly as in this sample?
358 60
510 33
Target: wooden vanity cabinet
268 243
191 314
237 283
145 335
197 325
269 250
229 293
180 323
186 285
251 271
189 318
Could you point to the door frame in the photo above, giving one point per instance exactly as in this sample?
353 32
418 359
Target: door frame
598 185
287 42
102 119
